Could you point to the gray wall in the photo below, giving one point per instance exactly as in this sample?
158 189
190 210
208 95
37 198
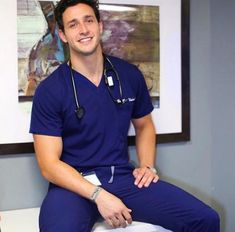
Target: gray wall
203 166
222 82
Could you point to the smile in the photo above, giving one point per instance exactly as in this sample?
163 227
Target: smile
84 40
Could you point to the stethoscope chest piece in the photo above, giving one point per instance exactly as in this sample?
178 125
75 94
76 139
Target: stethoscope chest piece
80 112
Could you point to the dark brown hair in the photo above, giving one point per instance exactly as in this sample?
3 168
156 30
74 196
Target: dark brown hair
64 4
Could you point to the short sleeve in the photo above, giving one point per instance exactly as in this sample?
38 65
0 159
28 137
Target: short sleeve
46 116
143 104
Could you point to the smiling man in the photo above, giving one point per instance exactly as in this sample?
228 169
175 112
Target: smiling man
80 120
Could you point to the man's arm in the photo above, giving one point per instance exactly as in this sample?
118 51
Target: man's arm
48 152
146 151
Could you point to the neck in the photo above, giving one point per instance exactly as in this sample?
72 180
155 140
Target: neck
90 66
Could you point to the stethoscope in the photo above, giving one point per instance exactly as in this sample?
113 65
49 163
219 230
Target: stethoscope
80 110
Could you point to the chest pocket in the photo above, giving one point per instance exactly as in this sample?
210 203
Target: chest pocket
124 116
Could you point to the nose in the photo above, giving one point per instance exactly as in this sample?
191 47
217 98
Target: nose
83 29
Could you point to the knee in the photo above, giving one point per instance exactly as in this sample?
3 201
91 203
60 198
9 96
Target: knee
210 221
213 219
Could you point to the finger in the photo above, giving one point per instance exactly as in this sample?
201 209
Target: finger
115 222
143 181
109 222
122 221
156 178
139 177
148 177
151 179
127 216
148 181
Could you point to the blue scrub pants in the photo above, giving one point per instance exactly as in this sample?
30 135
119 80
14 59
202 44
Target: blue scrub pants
161 203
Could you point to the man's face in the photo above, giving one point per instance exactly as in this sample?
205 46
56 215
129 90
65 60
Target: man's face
82 31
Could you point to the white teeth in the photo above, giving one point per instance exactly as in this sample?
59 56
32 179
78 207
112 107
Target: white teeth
85 39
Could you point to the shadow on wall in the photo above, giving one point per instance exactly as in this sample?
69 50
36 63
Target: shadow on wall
221 210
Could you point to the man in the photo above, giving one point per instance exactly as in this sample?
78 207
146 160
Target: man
80 119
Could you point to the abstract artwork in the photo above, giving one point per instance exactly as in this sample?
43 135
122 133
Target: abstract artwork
153 34
131 32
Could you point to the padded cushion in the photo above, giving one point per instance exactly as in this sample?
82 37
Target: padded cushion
27 220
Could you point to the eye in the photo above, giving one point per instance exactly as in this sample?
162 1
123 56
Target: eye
72 25
89 20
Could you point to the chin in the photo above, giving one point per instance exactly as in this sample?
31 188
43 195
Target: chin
88 52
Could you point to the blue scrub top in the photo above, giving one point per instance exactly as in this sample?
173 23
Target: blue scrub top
100 137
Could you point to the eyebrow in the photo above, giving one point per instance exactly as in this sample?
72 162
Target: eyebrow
89 16
75 20
71 21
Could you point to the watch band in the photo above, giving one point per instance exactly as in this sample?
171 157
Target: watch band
154 170
95 193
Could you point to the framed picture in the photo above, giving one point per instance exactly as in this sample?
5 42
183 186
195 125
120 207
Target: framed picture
154 35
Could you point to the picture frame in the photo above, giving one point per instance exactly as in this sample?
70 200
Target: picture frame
178 132
183 133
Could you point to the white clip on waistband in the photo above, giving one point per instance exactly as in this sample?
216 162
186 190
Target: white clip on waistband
112 175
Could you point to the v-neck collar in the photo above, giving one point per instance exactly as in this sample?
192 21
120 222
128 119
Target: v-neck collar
78 74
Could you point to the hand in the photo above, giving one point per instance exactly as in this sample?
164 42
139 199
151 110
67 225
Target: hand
144 176
112 209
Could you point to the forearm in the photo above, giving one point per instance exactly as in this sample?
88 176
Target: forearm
146 152
48 152
63 175
146 144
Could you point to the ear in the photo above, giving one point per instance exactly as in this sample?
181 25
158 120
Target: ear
62 36
101 27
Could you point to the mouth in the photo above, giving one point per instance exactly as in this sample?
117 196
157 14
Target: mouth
85 40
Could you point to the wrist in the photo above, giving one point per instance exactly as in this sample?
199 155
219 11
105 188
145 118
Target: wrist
154 170
95 193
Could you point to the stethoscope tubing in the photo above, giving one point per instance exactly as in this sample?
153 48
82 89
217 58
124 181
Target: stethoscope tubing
116 74
80 111
73 85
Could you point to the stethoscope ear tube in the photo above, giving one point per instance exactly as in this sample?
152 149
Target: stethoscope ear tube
120 100
80 111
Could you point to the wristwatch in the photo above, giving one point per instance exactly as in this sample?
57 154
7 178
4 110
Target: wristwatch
154 170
